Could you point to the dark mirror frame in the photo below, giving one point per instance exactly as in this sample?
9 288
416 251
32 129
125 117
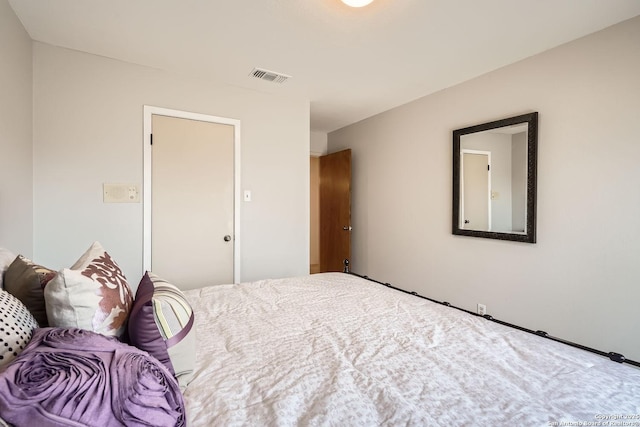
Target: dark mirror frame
532 163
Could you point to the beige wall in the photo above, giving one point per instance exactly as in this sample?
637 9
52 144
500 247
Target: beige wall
16 181
581 280
88 128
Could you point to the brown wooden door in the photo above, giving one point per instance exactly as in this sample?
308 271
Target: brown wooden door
335 210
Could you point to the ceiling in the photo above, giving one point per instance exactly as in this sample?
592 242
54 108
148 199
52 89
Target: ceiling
351 63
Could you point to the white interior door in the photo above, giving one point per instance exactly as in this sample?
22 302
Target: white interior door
192 201
476 182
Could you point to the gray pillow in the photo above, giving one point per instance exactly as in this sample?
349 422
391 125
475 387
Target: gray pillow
26 280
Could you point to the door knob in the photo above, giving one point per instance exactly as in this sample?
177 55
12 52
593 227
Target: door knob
227 238
347 228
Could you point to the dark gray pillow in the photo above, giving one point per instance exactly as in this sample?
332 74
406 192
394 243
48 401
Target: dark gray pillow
26 281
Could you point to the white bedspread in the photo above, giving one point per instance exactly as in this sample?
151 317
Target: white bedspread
333 349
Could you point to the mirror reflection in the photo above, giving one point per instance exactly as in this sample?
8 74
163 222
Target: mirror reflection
494 179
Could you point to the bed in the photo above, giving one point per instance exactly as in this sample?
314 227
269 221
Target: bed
336 349
320 350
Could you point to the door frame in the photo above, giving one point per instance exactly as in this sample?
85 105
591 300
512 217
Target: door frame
149 111
464 151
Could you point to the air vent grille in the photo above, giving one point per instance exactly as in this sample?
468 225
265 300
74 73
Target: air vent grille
270 76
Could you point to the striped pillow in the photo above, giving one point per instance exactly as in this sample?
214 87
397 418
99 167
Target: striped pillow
161 323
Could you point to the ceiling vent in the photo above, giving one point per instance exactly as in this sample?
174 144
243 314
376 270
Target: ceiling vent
270 76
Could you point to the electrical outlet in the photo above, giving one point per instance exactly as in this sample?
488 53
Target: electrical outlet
482 309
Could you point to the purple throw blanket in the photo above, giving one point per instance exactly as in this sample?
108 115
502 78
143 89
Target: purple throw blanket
77 377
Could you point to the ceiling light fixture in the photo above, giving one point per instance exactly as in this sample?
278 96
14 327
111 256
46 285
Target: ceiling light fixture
356 3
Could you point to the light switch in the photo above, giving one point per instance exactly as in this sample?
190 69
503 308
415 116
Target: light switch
120 193
247 195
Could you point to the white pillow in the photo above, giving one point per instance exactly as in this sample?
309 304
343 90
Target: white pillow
6 258
17 325
93 294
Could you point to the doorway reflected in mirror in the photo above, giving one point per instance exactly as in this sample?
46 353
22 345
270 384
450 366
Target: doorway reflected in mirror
494 194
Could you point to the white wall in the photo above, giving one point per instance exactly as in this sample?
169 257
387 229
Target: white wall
581 280
318 145
88 129
16 171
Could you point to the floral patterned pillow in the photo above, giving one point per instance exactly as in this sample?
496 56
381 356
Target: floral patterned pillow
93 294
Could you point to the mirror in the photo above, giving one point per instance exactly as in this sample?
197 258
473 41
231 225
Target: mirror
494 179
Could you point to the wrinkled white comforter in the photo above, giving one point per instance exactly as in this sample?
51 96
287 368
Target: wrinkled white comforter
334 349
